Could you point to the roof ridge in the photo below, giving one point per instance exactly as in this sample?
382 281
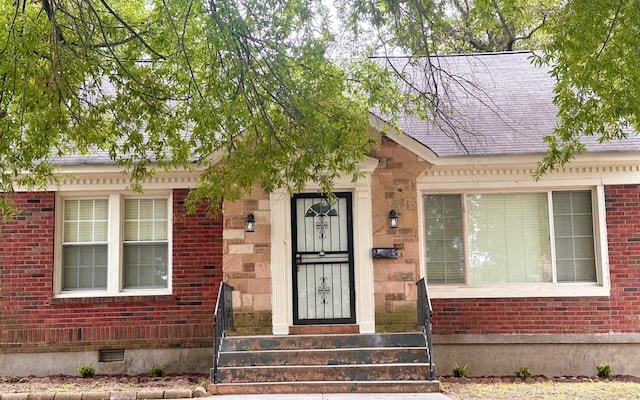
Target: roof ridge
495 53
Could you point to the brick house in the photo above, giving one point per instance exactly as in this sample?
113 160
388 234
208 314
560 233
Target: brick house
67 300
520 272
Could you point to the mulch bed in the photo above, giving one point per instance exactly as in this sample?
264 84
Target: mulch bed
536 378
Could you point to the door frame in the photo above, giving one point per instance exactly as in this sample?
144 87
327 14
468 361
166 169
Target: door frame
294 276
281 282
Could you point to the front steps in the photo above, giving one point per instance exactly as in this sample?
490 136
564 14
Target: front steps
338 363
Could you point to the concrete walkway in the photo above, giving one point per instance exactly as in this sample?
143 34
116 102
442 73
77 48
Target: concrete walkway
176 395
333 396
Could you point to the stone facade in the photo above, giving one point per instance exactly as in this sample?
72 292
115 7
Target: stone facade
394 187
247 262
247 259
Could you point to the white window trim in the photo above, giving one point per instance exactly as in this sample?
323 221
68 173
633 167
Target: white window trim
115 244
565 289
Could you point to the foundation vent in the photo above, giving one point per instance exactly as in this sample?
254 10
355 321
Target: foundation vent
111 355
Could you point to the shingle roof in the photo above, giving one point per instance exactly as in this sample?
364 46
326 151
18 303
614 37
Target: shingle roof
500 102
95 158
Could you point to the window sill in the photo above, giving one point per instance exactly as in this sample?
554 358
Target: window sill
509 291
103 293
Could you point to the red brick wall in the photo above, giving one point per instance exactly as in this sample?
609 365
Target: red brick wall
31 319
618 313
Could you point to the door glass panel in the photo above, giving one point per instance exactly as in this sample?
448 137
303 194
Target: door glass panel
323 291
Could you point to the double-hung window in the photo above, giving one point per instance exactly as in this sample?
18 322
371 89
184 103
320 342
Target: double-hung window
113 245
145 243
85 245
512 239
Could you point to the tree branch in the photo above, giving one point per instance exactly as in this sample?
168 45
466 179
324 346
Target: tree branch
130 29
114 44
51 14
505 26
609 33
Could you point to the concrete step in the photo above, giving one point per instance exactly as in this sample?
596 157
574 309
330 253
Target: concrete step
327 387
368 355
336 363
303 373
337 341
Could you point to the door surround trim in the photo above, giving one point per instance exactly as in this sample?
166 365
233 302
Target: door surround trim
281 263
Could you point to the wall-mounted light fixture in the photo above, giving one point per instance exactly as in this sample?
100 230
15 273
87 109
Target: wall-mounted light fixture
393 219
250 224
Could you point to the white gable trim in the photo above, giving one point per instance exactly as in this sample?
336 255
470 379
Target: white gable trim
402 139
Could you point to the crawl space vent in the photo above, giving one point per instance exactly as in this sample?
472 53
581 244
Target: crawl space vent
111 355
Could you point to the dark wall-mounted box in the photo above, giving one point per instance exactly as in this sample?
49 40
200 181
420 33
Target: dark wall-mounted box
384 252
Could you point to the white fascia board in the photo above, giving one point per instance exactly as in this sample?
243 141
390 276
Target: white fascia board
402 139
215 157
517 171
112 177
614 158
345 181
111 169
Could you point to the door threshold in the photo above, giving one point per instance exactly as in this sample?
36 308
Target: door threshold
324 329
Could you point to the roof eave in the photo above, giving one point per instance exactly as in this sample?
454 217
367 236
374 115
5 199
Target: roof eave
404 140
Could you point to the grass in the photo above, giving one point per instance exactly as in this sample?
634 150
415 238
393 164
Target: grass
67 387
543 391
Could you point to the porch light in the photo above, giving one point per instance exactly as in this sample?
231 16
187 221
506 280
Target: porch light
393 219
250 224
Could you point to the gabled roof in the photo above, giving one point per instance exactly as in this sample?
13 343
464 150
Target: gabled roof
493 104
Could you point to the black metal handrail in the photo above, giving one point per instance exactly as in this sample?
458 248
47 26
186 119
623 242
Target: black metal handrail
223 320
425 315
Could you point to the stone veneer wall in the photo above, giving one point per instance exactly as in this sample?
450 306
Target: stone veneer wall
247 256
394 187
247 263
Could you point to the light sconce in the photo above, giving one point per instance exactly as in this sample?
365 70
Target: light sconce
250 224
393 219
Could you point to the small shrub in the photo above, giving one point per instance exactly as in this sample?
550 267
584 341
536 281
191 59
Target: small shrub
460 371
156 371
87 371
523 373
604 370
